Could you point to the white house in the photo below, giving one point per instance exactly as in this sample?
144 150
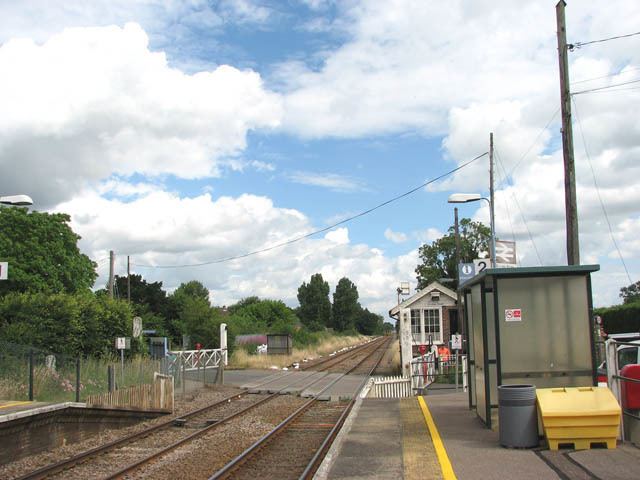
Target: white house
427 318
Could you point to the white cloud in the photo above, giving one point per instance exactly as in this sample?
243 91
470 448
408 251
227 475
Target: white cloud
162 228
332 181
91 102
395 237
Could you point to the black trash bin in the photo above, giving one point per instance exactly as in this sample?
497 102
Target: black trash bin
518 416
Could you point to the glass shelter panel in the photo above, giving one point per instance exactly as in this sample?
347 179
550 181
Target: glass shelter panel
544 330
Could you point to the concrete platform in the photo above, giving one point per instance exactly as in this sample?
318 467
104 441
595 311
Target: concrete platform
12 410
390 439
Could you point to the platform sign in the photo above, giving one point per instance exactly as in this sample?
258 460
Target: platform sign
513 315
4 270
505 253
466 271
121 343
456 342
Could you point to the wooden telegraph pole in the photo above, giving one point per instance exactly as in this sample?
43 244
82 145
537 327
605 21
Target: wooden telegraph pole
112 258
571 208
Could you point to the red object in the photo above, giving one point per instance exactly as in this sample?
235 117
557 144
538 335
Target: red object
422 349
602 379
630 390
198 346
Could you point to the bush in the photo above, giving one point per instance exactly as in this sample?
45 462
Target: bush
620 318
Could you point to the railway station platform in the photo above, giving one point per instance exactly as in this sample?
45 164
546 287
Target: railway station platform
392 439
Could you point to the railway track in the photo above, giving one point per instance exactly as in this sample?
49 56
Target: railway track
341 359
296 447
131 455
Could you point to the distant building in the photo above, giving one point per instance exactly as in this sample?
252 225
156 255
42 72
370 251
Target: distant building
427 318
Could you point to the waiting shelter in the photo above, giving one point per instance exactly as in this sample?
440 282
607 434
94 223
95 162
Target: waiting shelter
528 326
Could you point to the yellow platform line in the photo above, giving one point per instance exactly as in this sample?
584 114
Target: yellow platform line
13 404
443 458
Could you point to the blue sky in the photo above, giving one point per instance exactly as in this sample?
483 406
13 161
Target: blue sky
184 132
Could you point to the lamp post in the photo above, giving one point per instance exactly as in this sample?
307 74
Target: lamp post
474 197
16 200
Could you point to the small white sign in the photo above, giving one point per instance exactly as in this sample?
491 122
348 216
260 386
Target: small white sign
4 270
121 343
456 342
137 327
513 315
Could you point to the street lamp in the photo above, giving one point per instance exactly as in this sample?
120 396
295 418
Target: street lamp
16 200
474 197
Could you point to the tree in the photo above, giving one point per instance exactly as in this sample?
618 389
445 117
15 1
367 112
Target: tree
369 323
188 305
630 294
346 308
146 297
43 254
438 260
315 306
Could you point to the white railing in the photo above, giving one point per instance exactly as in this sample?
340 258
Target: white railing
446 369
196 359
390 387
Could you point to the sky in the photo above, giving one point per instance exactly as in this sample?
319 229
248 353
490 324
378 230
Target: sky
185 133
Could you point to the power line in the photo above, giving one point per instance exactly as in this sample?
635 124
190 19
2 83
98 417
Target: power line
605 87
631 69
595 183
524 220
322 230
612 90
572 46
524 155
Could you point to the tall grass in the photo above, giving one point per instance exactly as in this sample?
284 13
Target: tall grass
242 359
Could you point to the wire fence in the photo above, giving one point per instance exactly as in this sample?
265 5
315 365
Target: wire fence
28 373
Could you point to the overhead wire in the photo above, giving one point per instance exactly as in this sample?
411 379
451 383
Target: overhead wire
322 230
524 221
606 87
595 183
622 72
571 46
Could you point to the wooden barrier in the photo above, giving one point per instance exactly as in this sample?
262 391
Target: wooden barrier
158 396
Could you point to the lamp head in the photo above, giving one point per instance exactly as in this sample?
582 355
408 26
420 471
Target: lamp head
464 197
17 200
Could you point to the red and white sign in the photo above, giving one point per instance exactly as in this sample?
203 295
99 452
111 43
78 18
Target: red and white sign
513 315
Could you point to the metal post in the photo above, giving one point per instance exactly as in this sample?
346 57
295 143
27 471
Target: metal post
184 378
571 207
458 260
122 365
78 379
31 375
457 358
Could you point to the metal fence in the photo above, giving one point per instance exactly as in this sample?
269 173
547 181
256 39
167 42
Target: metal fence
618 383
445 372
195 369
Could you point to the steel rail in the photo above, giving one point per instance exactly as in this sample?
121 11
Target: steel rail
262 442
339 356
57 467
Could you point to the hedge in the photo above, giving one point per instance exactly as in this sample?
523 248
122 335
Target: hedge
620 318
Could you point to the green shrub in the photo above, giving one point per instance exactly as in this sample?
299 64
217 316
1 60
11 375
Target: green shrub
620 318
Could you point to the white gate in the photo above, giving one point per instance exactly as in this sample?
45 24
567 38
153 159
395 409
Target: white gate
390 387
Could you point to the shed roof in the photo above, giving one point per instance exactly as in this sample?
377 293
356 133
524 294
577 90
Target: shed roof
422 293
556 270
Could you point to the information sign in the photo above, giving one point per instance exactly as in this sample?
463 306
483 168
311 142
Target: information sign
456 342
4 270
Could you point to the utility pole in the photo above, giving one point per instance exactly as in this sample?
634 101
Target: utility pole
112 259
492 212
128 280
571 207
458 260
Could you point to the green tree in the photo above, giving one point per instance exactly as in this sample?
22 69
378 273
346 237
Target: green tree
145 296
43 254
369 323
438 260
315 306
630 294
346 308
190 313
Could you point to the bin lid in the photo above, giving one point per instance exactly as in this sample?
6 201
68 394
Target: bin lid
577 401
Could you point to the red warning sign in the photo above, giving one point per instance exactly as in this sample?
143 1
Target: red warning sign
513 315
